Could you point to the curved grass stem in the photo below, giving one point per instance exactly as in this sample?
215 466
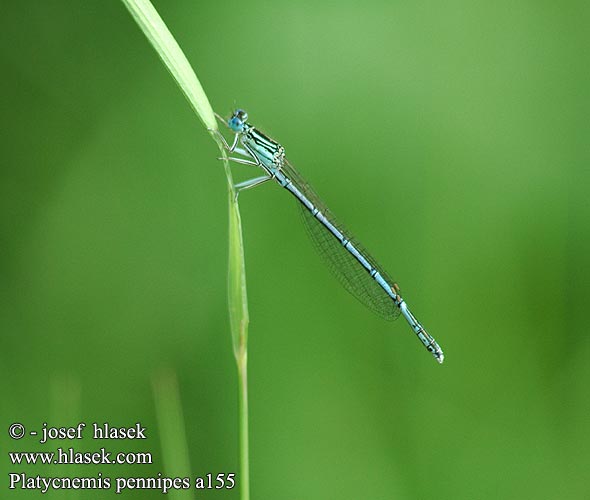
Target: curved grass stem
177 64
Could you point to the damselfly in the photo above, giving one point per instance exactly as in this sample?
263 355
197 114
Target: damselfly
355 268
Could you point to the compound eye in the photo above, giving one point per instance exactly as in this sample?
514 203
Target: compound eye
235 124
241 115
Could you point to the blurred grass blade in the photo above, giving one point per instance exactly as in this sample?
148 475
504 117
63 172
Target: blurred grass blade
171 429
64 402
175 61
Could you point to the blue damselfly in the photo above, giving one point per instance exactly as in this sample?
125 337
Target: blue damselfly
355 268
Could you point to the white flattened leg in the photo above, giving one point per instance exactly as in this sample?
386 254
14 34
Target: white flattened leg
224 142
242 161
250 183
242 151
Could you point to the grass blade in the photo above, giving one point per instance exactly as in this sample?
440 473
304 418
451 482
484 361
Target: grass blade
175 61
159 36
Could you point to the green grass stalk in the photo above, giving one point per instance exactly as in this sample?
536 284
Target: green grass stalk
177 64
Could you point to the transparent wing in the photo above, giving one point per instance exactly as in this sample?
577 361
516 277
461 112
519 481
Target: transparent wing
355 279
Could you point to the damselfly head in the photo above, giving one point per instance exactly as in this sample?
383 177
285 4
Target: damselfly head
237 120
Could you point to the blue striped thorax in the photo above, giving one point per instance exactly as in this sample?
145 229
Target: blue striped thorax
268 151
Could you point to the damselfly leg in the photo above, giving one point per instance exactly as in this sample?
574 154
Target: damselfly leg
242 186
250 160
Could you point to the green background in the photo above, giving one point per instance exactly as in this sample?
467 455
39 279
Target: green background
451 137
